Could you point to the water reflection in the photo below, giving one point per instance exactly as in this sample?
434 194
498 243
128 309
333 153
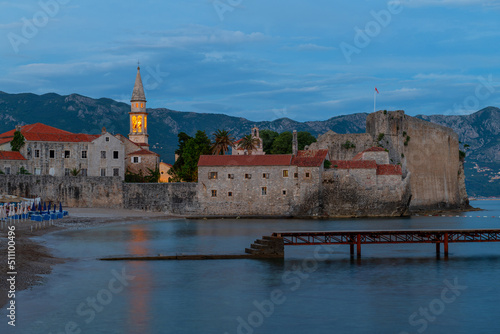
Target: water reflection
140 290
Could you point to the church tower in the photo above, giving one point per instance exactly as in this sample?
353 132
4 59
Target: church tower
138 114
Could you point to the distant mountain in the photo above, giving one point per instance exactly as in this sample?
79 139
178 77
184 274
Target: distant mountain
78 113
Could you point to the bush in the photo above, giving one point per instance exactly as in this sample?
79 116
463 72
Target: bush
380 136
347 145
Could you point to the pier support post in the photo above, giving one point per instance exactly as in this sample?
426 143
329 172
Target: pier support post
359 245
438 248
446 244
352 248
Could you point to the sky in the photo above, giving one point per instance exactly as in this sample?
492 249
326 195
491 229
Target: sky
262 60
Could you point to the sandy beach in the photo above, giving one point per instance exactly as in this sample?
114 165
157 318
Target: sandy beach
33 259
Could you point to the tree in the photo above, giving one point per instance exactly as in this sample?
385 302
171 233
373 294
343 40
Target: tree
154 175
193 148
75 171
268 137
222 142
283 143
17 142
249 143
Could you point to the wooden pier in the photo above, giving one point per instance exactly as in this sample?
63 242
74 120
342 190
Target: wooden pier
357 238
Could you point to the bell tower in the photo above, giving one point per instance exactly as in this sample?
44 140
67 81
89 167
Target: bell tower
138 114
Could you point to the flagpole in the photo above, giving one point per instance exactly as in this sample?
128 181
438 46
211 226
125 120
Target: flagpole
374 100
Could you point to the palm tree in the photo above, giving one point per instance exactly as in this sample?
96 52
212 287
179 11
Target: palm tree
249 143
222 142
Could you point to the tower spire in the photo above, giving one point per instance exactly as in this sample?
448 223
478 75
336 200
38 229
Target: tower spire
138 92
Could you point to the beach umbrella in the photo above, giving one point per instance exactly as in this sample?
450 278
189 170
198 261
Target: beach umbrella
33 207
50 204
54 207
40 207
60 207
26 208
2 212
11 210
44 206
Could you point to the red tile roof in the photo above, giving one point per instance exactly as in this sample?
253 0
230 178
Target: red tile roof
8 155
42 132
143 152
354 164
246 160
310 158
359 156
389 170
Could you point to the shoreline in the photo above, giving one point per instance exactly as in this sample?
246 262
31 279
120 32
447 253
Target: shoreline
34 259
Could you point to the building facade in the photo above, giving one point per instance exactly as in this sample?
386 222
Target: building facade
259 149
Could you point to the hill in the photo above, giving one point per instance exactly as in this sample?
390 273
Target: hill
78 113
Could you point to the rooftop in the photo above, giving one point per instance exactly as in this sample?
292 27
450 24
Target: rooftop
42 132
9 155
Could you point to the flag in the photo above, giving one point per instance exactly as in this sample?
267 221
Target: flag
377 90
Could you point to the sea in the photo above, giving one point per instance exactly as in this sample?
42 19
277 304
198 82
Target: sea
402 288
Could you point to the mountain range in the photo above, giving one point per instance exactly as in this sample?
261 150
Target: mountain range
77 113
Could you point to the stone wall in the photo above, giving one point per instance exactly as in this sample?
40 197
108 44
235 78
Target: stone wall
335 143
104 192
430 152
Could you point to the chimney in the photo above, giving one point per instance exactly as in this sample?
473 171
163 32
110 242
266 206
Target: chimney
295 143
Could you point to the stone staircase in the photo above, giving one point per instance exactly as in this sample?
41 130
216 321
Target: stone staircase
268 246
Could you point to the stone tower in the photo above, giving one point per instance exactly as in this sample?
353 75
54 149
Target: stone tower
138 114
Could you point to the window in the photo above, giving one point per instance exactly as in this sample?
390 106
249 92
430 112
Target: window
212 175
52 154
66 171
284 192
142 105
115 154
295 175
38 171
103 154
264 190
136 160
107 138
84 154
83 172
7 170
248 176
103 171
265 175
308 175
285 173
230 176
214 193
116 171
229 194
66 154
37 153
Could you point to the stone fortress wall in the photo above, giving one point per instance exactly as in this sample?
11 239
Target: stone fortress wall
427 151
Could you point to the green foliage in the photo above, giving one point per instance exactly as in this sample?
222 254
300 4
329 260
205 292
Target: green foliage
327 164
248 143
153 176
75 171
347 145
380 136
186 166
17 142
402 155
385 112
466 146
268 137
283 143
131 177
404 133
1 172
461 154
407 140
222 142
23 171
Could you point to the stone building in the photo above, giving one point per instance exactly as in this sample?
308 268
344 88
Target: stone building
164 168
427 151
259 150
51 151
258 184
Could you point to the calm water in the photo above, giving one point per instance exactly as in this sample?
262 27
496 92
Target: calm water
392 289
